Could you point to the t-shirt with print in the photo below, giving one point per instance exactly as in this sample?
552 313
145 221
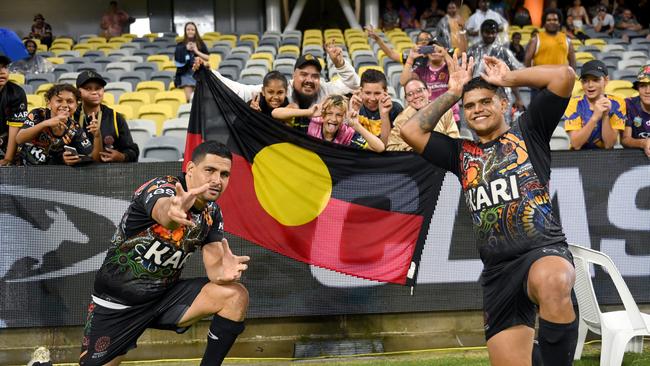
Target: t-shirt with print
505 182
46 147
437 81
371 120
578 113
13 111
637 119
146 258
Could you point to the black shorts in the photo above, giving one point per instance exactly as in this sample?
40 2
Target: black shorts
110 333
505 293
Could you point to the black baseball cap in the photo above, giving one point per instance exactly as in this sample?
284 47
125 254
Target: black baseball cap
4 60
89 75
595 68
307 59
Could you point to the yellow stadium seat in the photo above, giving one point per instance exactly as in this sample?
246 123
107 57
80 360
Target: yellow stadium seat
95 40
206 37
595 42
151 36
35 101
289 49
622 88
56 60
108 47
119 40
229 38
584 57
40 91
60 47
250 37
215 60
129 36
404 46
125 110
211 34
577 89
263 56
83 47
134 100
150 87
313 33
168 66
312 41
179 39
336 40
362 69
159 59
625 92
17 78
41 48
109 99
359 46
173 98
156 112
63 40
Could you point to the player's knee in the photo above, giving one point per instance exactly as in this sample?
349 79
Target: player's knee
234 298
552 285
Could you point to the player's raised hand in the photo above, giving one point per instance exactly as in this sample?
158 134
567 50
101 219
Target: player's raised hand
182 202
459 73
232 266
495 71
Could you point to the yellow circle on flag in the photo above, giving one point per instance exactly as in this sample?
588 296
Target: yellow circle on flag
292 184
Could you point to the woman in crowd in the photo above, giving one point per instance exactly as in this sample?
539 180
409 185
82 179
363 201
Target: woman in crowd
186 50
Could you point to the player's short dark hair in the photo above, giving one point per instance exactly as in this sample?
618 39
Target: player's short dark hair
57 89
210 147
555 11
372 76
479 83
275 75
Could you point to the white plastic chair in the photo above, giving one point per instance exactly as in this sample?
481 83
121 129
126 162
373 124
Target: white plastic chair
620 330
560 139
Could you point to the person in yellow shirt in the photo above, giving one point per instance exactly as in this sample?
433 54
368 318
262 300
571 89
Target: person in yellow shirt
550 47
594 121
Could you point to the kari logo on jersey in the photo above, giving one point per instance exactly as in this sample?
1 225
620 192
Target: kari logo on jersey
162 255
55 235
498 192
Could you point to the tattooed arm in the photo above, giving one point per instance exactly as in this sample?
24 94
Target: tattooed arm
417 130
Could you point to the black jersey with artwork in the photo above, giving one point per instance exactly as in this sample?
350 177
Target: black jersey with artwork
505 181
146 258
13 111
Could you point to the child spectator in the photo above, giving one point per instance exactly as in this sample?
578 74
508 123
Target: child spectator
186 50
637 125
378 111
273 94
13 110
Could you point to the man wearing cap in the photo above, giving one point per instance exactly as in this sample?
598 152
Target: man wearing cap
637 125
593 121
13 111
551 47
482 14
34 64
115 136
307 87
41 30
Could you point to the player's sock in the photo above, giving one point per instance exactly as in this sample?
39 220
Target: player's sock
558 342
537 354
221 337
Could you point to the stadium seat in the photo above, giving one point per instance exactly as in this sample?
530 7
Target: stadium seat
266 49
35 101
108 48
108 99
560 139
223 51
118 88
119 67
290 49
135 100
168 66
635 55
68 78
172 98
132 59
230 38
119 53
63 40
621 330
259 64
633 64
157 112
81 48
629 75
130 46
125 110
251 77
54 60
146 67
27 88
184 110
230 70
583 57
165 76
35 80
141 130
150 87
165 148
92 55
143 52
133 77
176 127
42 89
363 69
90 67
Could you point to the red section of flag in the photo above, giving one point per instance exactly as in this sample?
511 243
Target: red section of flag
193 140
346 237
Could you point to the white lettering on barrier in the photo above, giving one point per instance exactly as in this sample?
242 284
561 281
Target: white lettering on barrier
566 183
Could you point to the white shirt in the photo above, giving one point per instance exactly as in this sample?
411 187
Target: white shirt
474 22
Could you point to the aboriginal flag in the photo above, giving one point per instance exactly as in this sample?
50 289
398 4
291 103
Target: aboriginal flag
355 212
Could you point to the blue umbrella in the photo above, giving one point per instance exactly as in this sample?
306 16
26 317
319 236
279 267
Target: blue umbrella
11 46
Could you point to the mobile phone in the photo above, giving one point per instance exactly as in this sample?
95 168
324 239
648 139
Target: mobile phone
426 50
71 149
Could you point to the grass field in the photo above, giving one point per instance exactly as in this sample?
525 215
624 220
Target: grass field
476 357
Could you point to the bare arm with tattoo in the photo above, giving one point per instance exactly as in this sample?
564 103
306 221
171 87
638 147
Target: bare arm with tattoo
417 129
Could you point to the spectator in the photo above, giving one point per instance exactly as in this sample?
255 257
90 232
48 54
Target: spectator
378 111
423 38
187 50
114 21
435 74
450 30
390 17
516 48
490 47
431 15
112 134
273 94
307 88
521 15
330 127
628 27
579 15
47 131
41 30
482 14
637 124
13 110
33 64
594 120
603 22
407 15
417 97
574 33
550 47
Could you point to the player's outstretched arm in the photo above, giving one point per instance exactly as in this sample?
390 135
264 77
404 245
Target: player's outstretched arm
171 212
417 129
221 265
558 79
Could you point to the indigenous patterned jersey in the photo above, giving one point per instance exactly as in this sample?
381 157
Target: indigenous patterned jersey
13 110
505 182
147 258
48 148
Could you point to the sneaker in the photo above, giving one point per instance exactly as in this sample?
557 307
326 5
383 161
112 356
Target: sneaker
40 357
